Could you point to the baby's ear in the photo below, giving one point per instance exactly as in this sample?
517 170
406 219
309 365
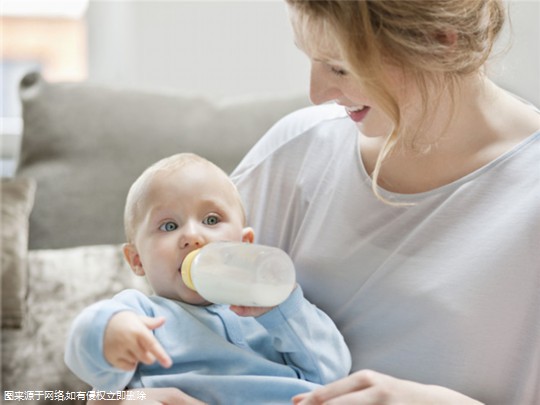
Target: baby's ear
248 235
132 257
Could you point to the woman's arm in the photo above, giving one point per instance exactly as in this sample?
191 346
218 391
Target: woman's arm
370 387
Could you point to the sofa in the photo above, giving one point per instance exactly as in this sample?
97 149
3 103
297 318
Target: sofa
83 144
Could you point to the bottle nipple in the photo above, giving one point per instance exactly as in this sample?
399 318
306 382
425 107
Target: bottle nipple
185 270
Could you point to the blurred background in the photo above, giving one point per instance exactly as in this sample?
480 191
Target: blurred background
217 49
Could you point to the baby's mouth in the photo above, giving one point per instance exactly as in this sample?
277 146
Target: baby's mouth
182 263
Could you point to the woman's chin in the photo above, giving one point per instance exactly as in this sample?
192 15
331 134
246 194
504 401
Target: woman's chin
369 132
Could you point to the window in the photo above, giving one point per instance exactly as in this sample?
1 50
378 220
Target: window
44 35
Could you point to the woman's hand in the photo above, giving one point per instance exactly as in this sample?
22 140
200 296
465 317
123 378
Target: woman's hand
156 396
370 387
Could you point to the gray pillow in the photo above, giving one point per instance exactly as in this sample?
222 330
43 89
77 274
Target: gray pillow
33 356
85 144
17 199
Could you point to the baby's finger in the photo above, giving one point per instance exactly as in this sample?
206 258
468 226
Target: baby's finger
162 356
145 356
140 353
153 323
153 351
125 364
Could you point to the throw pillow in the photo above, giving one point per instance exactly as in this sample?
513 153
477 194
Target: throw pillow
64 281
17 197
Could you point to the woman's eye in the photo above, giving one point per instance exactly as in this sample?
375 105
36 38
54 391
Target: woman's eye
168 226
211 220
337 71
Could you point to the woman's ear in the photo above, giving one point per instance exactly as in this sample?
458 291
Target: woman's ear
132 257
448 38
248 235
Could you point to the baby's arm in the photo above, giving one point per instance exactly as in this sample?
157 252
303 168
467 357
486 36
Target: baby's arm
308 339
85 347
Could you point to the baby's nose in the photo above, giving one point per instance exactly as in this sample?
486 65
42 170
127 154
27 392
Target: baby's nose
191 238
190 242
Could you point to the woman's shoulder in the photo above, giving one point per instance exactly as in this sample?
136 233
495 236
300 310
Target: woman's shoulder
299 126
302 121
311 116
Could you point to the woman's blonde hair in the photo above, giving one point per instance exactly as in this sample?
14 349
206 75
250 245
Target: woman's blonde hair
430 41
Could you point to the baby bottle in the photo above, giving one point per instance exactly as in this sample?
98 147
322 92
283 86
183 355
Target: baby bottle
238 273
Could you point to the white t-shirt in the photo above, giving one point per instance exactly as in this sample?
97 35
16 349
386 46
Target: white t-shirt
445 291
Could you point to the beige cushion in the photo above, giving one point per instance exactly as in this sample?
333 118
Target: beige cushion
63 282
17 199
85 144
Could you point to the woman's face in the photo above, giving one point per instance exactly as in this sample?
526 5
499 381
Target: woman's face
331 79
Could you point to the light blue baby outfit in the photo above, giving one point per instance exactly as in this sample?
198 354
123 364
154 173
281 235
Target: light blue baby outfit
218 357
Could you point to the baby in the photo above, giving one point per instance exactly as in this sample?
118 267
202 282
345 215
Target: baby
175 338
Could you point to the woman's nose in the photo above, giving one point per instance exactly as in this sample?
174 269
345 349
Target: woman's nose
322 86
191 237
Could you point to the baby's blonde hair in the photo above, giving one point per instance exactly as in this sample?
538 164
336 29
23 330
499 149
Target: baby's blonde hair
171 163
432 42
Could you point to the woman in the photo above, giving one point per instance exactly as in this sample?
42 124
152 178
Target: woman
410 203
411 208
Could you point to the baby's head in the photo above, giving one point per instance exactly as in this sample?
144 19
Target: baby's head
177 205
164 170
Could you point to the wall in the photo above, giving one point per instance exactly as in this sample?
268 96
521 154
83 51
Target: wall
230 48
517 67
214 48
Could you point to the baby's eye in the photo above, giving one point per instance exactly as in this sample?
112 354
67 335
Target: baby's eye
168 226
211 220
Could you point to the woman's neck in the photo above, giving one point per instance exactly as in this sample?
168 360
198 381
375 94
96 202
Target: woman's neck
486 122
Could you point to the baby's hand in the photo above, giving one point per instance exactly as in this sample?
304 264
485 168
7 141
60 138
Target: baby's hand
128 340
250 311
